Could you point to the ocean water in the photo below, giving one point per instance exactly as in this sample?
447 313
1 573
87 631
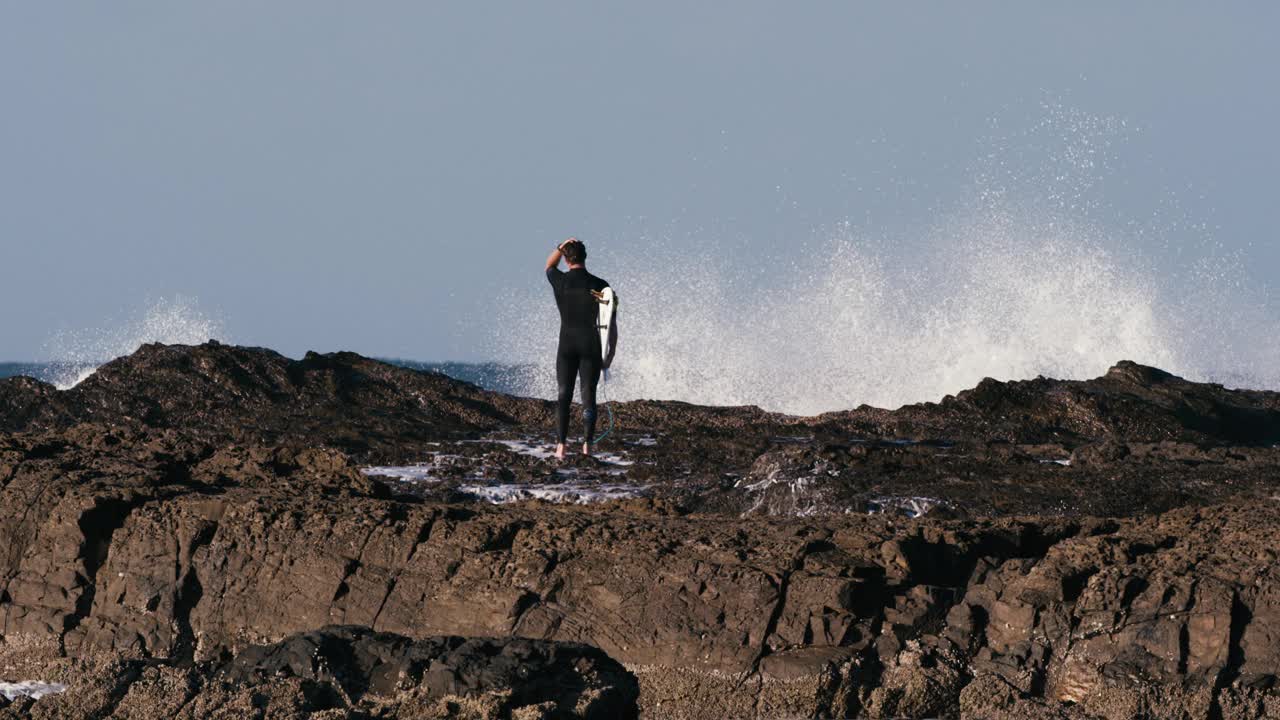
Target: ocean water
41 371
491 376
35 689
510 379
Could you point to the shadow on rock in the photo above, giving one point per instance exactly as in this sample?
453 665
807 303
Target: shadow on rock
358 665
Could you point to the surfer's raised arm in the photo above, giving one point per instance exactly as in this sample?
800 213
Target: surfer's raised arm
553 260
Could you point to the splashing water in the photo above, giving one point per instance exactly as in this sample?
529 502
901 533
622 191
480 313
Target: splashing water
1021 285
76 355
34 689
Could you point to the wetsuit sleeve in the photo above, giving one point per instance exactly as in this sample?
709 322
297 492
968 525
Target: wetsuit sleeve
554 276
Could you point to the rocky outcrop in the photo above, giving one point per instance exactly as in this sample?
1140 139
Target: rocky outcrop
771 567
373 409
556 679
1131 403
257 396
347 672
869 613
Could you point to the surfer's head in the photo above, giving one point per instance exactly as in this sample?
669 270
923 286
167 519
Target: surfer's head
575 253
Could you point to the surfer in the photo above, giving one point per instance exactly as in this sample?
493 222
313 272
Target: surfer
578 296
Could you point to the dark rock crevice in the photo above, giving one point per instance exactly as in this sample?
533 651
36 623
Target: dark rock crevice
1241 618
97 524
189 593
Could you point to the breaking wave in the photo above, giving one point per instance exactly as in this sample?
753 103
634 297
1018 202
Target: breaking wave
76 355
1023 283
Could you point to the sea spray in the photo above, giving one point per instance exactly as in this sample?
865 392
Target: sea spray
76 355
1025 280
860 326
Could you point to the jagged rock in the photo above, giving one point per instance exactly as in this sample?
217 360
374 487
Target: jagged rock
794 481
919 682
346 672
190 508
574 680
257 396
994 450
1100 454
17 708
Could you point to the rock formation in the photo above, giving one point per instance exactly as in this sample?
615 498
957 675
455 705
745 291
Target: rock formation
214 529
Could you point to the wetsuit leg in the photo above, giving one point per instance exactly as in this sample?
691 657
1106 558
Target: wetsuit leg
590 375
566 372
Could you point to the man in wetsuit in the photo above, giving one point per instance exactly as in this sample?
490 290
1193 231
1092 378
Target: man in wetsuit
577 296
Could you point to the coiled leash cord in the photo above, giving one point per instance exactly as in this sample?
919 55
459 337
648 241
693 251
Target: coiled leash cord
609 408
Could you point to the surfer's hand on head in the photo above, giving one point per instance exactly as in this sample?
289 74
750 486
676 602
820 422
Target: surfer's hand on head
554 259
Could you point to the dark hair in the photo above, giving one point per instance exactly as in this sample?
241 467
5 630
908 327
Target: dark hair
575 252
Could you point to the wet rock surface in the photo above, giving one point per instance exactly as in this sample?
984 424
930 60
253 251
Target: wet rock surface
302 538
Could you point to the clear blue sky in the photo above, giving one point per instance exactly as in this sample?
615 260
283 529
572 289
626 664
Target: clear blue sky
367 176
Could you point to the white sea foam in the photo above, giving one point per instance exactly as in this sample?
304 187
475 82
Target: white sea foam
912 507
540 451
427 471
546 451
787 496
431 470
1022 281
568 493
614 459
76 355
30 688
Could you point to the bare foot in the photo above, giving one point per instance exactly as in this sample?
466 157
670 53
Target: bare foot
560 451
586 449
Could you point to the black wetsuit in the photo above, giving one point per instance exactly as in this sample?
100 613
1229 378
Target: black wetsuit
579 352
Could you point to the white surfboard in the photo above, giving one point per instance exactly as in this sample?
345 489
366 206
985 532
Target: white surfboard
604 320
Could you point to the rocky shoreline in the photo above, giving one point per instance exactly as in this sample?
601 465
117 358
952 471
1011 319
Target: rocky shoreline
218 531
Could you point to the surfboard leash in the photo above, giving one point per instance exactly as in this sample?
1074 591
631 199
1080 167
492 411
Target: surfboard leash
608 408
